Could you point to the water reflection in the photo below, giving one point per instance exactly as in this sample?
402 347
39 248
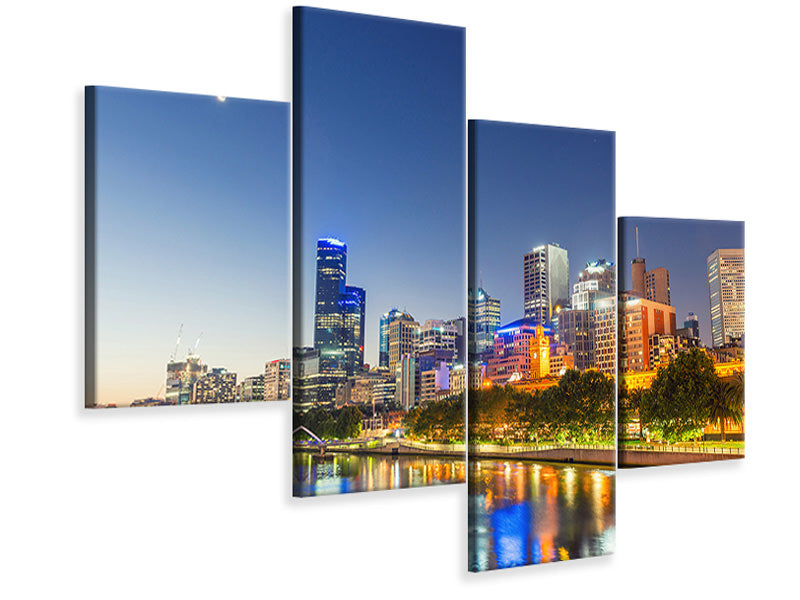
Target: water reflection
528 513
340 473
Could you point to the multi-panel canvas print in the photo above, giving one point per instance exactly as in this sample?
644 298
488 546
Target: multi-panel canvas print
187 249
378 251
542 344
681 351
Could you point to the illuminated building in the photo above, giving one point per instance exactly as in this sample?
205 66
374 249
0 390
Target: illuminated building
219 385
402 336
353 303
383 344
338 319
546 282
181 377
601 271
373 388
726 295
540 354
484 319
605 335
305 378
252 389
576 329
458 379
277 378
644 379
476 374
434 380
656 285
511 351
436 335
638 268
407 389
692 323
663 349
459 325
561 359
639 319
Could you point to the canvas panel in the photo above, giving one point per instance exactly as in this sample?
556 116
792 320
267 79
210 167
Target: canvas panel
542 344
378 250
681 353
187 241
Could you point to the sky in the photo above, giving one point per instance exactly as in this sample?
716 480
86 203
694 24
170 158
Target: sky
380 163
192 217
682 246
536 185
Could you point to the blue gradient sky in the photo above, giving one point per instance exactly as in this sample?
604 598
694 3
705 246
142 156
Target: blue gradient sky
381 106
682 246
192 227
538 185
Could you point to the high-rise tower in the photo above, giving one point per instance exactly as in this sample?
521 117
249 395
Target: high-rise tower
546 281
726 295
338 320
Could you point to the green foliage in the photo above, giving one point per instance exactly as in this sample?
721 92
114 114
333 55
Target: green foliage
676 407
580 408
348 423
440 421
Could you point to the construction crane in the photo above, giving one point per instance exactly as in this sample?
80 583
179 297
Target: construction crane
178 343
193 350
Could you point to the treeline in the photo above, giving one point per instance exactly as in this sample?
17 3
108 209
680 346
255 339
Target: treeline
439 421
330 424
684 398
579 409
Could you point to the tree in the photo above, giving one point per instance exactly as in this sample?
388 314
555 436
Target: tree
722 405
676 407
348 423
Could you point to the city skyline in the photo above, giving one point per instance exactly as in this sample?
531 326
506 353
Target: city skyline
380 165
539 171
682 246
191 221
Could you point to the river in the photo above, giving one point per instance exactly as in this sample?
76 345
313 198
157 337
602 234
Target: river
523 512
342 473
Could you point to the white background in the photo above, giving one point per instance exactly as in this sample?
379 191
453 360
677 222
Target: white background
195 502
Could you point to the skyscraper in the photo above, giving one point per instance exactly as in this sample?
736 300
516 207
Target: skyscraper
338 319
546 281
484 316
383 343
656 285
726 294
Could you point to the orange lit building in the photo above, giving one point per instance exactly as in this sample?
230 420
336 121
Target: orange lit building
640 319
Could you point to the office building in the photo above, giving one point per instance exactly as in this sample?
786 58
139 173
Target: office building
639 319
181 377
277 378
725 269
484 319
383 342
338 320
305 378
252 389
402 338
656 285
545 282
219 385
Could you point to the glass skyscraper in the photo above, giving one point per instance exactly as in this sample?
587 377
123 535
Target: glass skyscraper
338 320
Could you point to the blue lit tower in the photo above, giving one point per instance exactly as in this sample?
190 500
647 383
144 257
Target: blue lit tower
338 320
353 304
